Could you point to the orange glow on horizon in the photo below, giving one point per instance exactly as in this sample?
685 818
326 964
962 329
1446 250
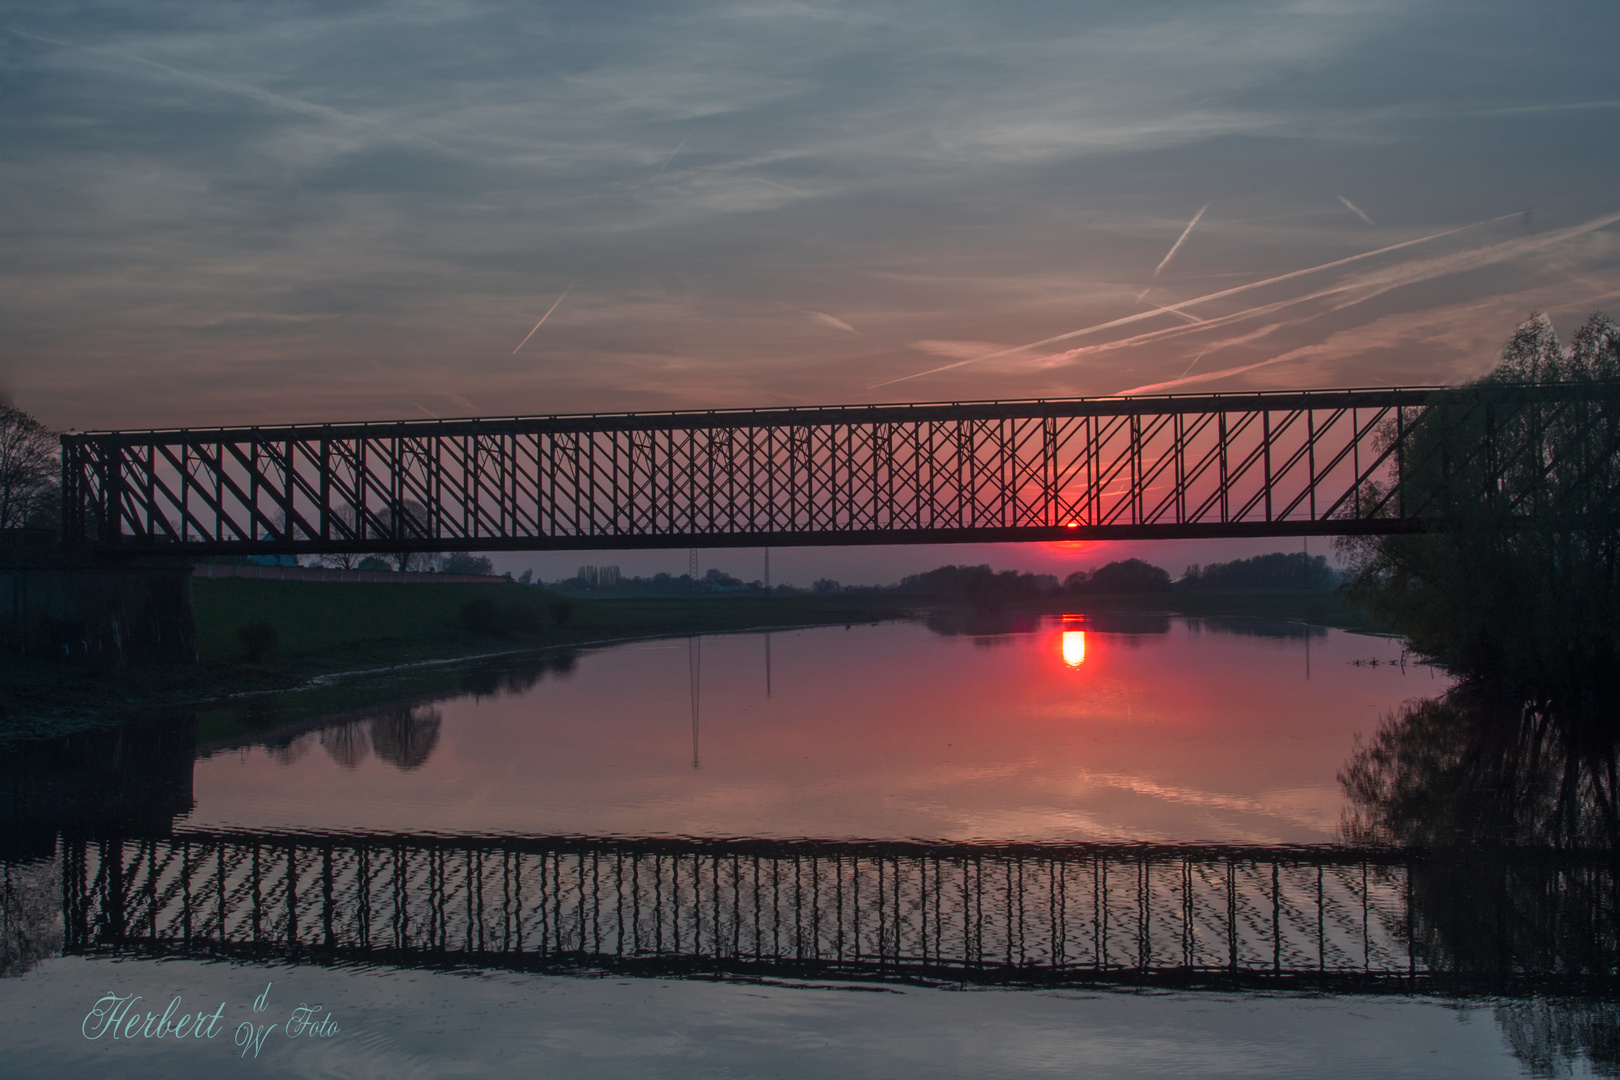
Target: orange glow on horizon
1074 647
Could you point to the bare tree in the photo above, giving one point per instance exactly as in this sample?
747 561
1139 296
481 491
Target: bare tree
344 560
410 518
28 468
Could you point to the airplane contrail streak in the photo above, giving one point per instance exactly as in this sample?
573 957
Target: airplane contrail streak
1187 316
671 157
1236 289
1182 239
1371 287
543 318
1367 285
298 105
1356 210
1211 376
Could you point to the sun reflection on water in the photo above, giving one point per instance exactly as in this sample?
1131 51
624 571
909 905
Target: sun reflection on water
1074 647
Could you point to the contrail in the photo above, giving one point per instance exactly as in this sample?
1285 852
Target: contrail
1178 314
773 183
1195 360
671 157
1142 315
832 321
1367 285
543 318
1182 239
1462 261
307 108
1211 376
1358 211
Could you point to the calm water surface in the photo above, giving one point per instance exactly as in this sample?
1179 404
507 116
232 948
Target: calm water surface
686 765
1196 730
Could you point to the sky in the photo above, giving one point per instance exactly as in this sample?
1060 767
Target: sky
221 213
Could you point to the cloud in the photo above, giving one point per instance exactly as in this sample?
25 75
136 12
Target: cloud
229 86
1475 329
220 214
1221 295
1362 287
966 350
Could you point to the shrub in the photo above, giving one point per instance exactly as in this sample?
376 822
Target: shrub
463 562
483 615
258 639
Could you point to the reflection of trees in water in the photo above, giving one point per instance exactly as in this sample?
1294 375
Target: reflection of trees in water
517 676
30 915
347 744
1473 768
993 626
1251 626
403 735
1516 807
1549 1035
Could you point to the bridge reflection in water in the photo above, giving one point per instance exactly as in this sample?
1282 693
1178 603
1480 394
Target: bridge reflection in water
1329 918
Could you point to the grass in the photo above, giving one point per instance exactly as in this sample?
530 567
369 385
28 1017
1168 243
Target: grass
322 628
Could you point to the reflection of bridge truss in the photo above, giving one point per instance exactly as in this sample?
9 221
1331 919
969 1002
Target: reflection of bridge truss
1278 464
1030 914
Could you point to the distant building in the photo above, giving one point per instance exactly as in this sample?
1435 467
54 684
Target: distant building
598 577
273 560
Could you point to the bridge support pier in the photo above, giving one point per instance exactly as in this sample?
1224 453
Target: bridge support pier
95 611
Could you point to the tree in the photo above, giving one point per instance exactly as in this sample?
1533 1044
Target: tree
343 560
411 518
1127 576
464 562
28 469
1520 580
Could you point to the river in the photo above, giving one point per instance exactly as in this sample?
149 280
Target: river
966 846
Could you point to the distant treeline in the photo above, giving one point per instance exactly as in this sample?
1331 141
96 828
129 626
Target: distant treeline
983 586
1274 571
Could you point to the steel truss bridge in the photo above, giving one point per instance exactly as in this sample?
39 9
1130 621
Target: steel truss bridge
1328 462
1008 914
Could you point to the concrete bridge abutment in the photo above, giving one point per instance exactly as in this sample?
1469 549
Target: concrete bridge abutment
92 610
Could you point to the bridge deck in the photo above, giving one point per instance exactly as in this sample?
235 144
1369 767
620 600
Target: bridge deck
1321 462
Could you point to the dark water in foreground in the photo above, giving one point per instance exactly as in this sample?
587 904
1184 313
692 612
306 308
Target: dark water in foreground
1060 848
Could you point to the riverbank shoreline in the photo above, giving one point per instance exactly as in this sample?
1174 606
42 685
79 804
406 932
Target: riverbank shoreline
332 638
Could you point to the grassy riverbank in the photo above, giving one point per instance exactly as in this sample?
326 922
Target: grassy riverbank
323 628
326 628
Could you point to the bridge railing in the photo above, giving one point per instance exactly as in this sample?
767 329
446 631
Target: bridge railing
1297 463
